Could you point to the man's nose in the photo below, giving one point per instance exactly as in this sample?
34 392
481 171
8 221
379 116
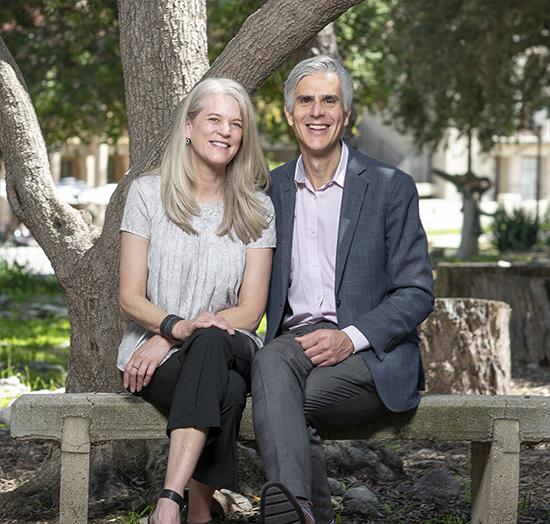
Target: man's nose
317 108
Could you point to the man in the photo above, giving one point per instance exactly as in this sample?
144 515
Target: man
351 281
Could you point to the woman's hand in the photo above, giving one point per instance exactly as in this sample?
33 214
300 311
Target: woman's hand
144 362
185 328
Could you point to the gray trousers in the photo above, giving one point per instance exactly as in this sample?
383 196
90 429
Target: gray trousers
294 401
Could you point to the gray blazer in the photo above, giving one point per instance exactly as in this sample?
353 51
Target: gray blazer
383 273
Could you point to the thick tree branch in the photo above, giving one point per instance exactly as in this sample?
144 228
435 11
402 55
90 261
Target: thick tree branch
269 35
60 230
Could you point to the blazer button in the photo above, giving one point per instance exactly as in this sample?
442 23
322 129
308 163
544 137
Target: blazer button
338 302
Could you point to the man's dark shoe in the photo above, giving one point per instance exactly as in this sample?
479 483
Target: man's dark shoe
279 506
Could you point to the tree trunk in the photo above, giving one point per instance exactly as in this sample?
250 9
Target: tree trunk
465 346
471 228
86 264
164 54
524 287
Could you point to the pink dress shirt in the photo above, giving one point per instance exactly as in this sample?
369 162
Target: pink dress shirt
311 294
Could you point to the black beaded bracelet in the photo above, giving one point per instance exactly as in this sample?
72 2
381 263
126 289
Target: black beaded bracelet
168 324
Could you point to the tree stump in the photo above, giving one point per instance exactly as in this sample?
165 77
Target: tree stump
525 287
465 347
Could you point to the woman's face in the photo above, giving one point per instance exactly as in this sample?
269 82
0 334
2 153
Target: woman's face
216 133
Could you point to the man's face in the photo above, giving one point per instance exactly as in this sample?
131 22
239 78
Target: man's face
318 116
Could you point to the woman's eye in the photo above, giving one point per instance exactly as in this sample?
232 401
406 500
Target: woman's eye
236 125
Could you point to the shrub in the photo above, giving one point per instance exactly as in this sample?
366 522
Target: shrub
517 231
19 283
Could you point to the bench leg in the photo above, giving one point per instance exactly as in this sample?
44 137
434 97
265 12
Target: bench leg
495 475
75 471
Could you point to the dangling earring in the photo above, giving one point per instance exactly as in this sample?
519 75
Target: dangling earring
187 140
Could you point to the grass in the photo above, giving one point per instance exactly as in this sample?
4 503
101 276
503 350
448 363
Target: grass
431 232
133 517
27 341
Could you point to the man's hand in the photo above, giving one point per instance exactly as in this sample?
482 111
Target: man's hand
185 328
144 362
326 347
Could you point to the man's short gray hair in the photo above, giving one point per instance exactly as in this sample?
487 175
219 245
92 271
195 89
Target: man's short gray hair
318 64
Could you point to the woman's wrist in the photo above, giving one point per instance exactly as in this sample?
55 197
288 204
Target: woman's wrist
180 330
167 325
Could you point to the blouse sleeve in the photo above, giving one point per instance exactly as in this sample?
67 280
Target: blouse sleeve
268 236
136 218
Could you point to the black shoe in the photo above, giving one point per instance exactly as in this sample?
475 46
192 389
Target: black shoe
279 506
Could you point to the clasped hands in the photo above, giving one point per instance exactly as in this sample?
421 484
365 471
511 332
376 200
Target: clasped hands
147 358
326 347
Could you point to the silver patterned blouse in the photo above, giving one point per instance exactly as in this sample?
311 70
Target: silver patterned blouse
187 274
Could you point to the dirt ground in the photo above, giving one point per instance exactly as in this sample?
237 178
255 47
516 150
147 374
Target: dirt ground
20 460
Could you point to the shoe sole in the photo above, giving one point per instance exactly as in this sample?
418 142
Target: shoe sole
279 506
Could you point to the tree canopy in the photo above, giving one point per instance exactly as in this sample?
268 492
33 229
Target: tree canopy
69 55
481 66
476 66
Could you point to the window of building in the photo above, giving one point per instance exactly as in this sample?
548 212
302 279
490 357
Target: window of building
528 178
67 167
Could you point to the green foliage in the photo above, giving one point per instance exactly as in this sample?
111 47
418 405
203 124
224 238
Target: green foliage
44 340
134 517
26 341
526 500
225 18
69 55
17 282
517 231
472 65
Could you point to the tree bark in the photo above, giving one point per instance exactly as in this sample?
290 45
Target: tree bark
524 287
164 54
61 231
465 346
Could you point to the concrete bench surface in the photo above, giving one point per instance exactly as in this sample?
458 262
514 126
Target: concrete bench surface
495 425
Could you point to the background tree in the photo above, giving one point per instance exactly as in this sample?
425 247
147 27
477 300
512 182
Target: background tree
85 259
480 67
70 58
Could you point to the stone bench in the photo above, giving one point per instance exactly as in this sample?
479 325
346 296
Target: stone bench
495 426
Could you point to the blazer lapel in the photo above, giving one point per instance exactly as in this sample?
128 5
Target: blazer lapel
286 223
353 196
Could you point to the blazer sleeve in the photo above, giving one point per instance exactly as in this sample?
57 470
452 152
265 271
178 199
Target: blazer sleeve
409 299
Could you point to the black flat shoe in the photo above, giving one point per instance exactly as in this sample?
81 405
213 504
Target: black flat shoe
279 506
176 497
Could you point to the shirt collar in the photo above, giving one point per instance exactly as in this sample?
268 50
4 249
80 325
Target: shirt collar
339 175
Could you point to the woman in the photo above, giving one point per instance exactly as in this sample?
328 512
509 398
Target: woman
195 262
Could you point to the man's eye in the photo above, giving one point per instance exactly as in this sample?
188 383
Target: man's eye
330 101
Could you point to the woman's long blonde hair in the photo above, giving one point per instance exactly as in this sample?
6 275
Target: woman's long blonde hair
244 214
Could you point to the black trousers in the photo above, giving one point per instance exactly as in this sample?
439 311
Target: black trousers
204 385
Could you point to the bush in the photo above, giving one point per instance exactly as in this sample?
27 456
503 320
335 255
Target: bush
20 284
517 231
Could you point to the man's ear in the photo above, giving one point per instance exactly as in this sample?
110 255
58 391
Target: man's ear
347 117
289 117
